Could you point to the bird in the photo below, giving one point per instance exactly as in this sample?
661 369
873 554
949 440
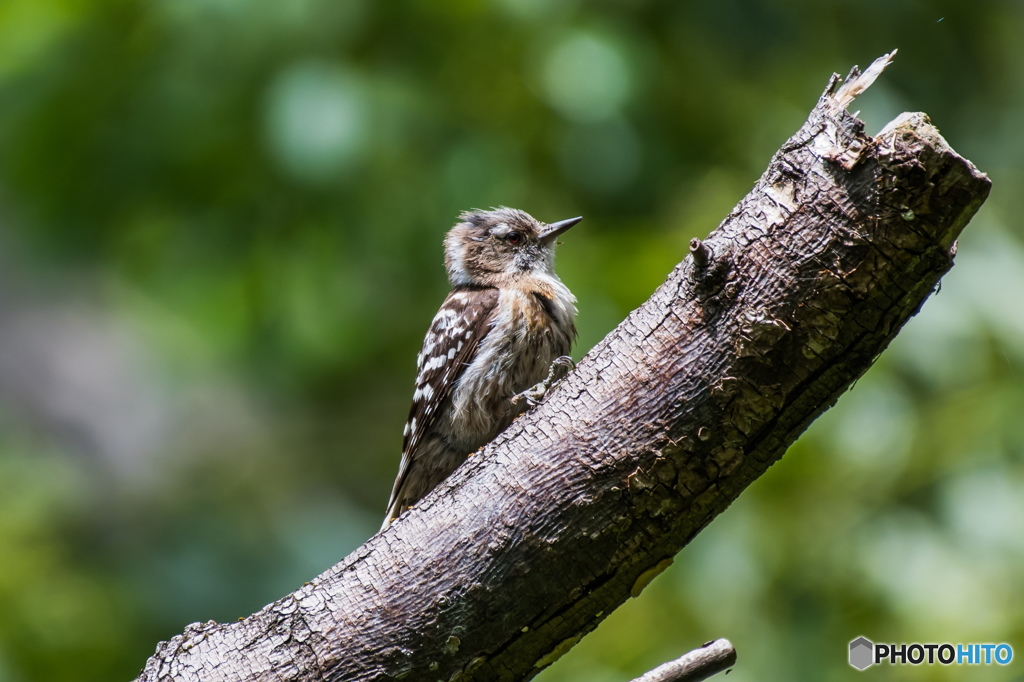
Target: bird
497 343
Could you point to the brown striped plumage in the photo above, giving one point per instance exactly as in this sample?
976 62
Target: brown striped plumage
507 318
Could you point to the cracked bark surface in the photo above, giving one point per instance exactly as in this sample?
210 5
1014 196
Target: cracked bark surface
583 501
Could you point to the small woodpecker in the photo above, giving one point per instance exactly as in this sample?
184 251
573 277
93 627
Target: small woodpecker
507 323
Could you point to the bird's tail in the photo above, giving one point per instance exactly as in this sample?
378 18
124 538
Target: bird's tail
398 502
393 511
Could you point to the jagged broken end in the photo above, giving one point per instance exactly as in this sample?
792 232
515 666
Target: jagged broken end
840 96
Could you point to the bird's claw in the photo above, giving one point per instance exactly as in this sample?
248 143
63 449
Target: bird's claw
560 366
531 397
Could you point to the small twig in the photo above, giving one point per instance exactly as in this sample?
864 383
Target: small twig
699 664
700 252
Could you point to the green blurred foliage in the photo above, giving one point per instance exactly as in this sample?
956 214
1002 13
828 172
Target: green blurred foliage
220 224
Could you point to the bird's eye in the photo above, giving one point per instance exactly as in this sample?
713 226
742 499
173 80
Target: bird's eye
514 237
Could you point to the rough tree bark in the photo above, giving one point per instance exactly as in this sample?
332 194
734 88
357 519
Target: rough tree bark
582 502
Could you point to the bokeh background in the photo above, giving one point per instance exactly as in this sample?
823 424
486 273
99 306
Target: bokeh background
220 228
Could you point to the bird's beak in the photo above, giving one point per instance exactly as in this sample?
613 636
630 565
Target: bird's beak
552 231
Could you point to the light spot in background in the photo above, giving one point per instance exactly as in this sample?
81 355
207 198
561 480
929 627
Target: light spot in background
586 77
946 343
28 28
726 565
80 376
941 344
601 157
923 578
991 274
985 509
315 531
317 120
873 423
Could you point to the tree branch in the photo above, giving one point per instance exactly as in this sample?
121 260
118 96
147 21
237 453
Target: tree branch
583 501
697 665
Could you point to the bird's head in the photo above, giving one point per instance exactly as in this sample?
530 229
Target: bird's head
495 247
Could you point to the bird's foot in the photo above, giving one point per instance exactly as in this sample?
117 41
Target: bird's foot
531 397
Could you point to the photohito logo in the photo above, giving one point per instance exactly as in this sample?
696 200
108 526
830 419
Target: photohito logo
864 653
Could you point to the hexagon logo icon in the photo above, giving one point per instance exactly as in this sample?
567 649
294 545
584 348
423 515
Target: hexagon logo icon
862 652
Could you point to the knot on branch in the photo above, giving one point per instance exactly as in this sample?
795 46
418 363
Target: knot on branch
710 274
700 252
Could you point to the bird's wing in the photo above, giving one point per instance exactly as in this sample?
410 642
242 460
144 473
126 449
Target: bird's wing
459 327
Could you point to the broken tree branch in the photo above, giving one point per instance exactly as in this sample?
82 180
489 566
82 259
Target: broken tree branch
582 502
